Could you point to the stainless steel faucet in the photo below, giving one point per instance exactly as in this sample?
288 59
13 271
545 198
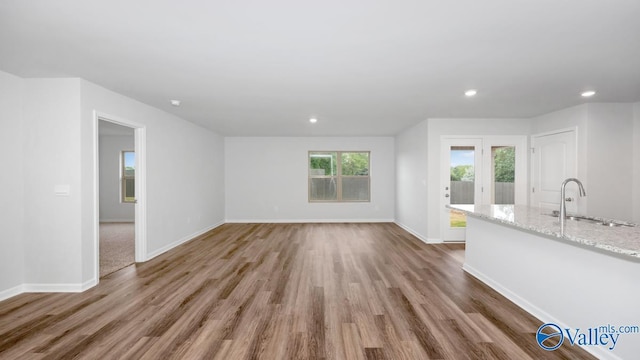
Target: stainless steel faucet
563 205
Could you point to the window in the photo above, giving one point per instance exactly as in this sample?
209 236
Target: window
504 174
340 176
128 176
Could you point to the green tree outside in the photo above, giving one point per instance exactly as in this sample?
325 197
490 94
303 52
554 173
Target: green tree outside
505 164
355 163
505 167
324 161
352 163
462 173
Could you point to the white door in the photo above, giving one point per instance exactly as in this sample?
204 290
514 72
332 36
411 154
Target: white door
461 169
553 161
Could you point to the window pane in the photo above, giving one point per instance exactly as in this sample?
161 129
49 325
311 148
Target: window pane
128 176
129 190
323 189
504 174
457 219
462 176
323 164
129 163
355 189
355 164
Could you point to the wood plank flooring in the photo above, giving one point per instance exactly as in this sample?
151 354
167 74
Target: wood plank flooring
281 291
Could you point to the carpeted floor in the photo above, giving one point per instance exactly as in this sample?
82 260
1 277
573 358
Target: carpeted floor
117 246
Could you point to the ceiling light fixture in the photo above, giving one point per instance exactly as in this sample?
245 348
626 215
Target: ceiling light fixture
175 103
588 93
470 93
313 120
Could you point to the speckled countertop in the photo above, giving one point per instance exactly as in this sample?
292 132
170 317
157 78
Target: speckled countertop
622 240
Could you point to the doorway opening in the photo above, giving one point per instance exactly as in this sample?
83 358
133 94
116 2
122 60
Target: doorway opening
120 212
117 197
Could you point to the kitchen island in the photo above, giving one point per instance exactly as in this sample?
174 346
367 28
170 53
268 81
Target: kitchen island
588 278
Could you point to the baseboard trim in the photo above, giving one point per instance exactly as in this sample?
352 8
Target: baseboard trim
89 284
117 221
417 234
412 232
46 288
524 304
9 293
535 311
297 221
181 241
62 288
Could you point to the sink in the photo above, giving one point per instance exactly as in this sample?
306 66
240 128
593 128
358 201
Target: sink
592 220
614 224
582 218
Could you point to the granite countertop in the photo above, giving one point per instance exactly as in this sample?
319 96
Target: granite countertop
621 240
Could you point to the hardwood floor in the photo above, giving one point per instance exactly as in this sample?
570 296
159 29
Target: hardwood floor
281 291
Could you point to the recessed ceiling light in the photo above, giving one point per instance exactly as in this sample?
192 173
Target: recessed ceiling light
313 120
175 103
588 93
470 93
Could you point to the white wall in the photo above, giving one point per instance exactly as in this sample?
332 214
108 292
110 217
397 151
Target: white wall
636 163
51 158
11 180
267 179
48 139
472 127
610 164
411 180
185 173
112 209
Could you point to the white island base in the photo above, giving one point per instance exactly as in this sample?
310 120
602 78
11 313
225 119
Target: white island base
572 285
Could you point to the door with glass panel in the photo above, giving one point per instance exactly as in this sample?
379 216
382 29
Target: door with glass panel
461 160
483 170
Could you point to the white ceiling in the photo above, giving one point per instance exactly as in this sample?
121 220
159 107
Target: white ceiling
364 67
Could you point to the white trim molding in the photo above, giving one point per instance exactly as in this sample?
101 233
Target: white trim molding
296 221
9 293
416 234
59 288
